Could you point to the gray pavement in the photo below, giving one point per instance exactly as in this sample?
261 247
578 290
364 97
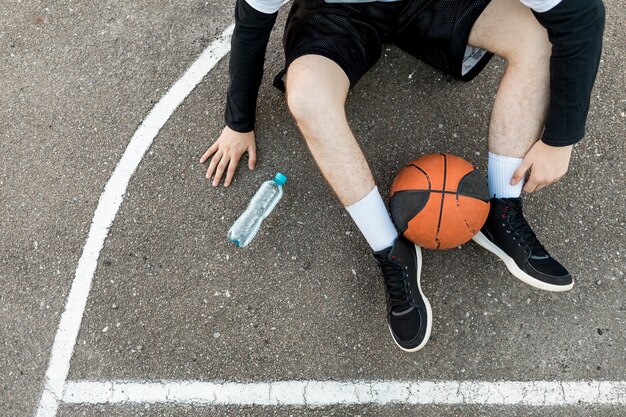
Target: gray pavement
304 300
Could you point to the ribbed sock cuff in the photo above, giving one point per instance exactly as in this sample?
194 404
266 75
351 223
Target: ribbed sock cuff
500 170
373 220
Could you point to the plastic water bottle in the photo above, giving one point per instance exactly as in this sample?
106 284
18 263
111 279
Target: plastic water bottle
247 225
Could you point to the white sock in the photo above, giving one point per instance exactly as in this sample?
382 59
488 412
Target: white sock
373 220
500 170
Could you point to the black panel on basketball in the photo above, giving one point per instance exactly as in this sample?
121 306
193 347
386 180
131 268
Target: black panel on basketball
405 205
473 185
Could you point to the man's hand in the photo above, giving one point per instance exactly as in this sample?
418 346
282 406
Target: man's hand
547 164
227 151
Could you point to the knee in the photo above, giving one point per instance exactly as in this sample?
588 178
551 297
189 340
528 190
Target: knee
316 90
533 51
313 103
301 102
314 108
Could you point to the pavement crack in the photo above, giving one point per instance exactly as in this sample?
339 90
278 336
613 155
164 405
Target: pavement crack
460 393
56 397
269 395
562 391
304 393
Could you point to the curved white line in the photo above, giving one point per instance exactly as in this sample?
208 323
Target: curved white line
108 206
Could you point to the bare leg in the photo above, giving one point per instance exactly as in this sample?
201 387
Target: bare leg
316 93
509 29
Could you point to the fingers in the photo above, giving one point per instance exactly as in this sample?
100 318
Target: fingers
534 180
531 185
225 154
537 181
232 167
520 172
220 164
221 167
216 159
252 157
208 153
547 165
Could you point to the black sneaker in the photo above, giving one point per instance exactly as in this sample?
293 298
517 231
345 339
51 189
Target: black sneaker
408 312
507 235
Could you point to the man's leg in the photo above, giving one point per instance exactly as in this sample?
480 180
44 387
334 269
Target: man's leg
316 92
510 30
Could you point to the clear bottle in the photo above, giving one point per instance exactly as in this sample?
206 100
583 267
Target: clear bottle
247 225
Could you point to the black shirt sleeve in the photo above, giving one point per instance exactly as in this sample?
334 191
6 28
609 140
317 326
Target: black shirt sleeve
575 29
247 56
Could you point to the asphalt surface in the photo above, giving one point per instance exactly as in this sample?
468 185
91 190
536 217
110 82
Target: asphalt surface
304 300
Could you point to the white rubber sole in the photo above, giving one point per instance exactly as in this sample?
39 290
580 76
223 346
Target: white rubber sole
516 270
429 312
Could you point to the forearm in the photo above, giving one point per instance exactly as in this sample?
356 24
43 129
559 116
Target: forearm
575 29
248 45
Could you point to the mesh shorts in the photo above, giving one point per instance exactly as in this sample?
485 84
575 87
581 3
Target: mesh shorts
351 35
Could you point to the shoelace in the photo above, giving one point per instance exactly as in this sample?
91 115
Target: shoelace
522 228
398 292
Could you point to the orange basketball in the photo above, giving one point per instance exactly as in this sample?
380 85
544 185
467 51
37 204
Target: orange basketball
439 201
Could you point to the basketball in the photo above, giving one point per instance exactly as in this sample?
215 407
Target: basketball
439 201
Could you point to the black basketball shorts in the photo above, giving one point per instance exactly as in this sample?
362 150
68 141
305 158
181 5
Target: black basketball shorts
351 35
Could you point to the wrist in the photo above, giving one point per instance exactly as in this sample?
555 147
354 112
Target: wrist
234 133
239 128
560 143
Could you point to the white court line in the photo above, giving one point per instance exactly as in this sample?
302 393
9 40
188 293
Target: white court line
326 393
105 213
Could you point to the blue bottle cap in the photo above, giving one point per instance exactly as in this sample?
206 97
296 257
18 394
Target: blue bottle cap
280 178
